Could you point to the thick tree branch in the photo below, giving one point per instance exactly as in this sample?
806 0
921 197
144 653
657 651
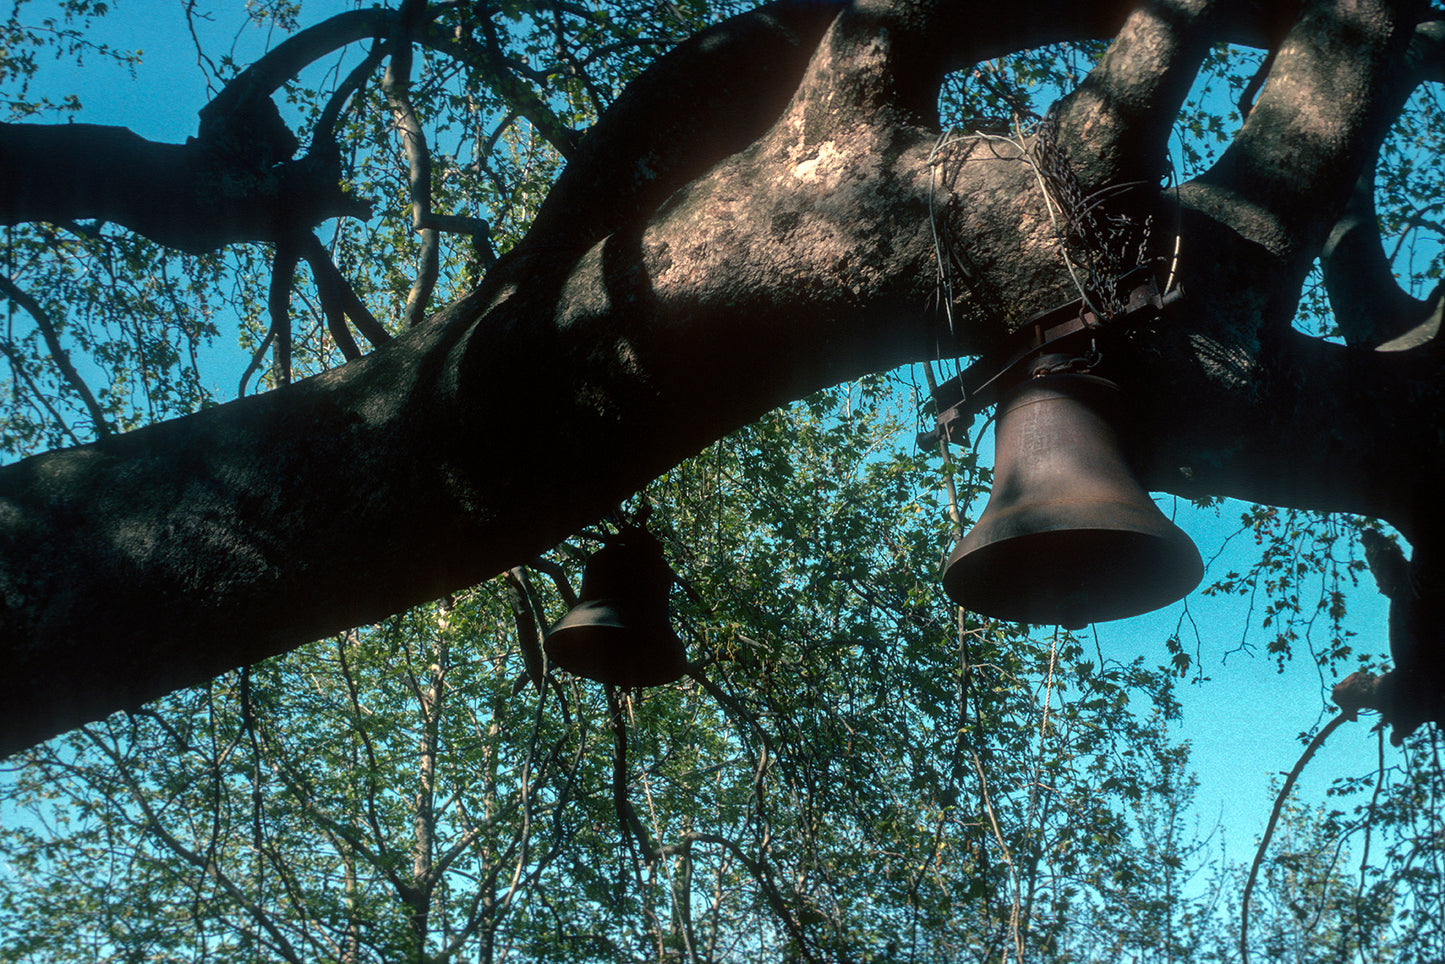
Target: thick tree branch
713 250
278 304
1286 177
1414 690
328 289
295 53
708 98
337 292
1370 307
248 528
1293 420
629 355
183 196
1119 121
628 360
235 182
397 87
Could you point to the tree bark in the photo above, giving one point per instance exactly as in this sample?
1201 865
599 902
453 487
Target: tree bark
674 288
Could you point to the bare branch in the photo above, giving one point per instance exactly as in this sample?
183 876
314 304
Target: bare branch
397 85
428 264
1370 306
332 305
207 866
1279 800
325 130
58 353
340 301
488 62
21 371
278 302
294 54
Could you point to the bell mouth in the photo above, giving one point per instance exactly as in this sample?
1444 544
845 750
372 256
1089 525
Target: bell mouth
1073 576
611 642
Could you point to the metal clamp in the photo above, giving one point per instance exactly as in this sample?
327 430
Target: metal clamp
1057 329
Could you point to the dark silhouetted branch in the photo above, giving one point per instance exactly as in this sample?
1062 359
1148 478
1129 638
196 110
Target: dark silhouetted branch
58 353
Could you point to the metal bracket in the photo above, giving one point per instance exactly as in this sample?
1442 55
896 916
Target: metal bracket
960 398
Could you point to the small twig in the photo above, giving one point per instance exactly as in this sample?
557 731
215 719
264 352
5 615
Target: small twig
209 70
488 62
1289 783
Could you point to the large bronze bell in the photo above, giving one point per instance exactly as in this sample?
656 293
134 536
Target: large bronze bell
619 631
1069 536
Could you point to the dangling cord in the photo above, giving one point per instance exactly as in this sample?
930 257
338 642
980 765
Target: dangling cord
248 721
632 832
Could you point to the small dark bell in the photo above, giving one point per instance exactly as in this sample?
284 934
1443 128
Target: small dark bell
1069 536
619 631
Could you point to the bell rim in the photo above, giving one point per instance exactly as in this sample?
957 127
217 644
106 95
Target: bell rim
575 643
1005 580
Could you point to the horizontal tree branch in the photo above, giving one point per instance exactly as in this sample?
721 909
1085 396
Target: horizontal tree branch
181 195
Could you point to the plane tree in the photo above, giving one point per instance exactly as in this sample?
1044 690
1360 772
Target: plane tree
770 207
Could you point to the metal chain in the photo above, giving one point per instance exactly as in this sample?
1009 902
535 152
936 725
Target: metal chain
1077 365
